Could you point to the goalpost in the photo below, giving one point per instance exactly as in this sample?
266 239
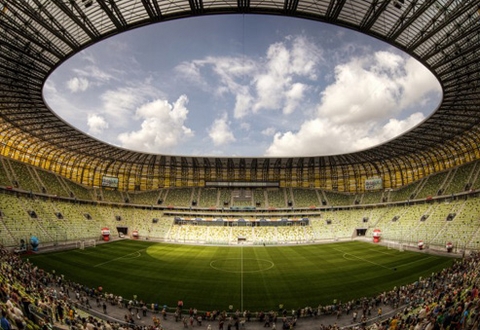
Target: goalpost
85 244
395 246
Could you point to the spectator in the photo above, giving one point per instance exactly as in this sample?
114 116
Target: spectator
5 324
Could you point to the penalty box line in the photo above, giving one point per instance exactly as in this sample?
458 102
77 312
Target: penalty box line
115 259
359 258
374 263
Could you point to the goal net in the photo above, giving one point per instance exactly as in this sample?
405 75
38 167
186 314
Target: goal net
395 246
85 244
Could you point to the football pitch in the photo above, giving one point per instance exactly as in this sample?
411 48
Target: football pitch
244 277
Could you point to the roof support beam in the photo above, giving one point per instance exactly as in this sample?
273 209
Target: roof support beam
120 25
334 9
373 14
84 23
290 6
196 6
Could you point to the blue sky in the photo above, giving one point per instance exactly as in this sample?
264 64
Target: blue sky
242 85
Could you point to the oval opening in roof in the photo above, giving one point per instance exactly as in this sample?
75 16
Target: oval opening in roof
243 85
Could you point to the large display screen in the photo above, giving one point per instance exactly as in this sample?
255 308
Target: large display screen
373 184
251 184
109 181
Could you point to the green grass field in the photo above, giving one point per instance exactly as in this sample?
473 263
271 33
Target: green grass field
254 278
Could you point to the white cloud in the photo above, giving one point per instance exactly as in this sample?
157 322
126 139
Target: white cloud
359 94
220 131
321 136
101 70
278 85
88 56
59 102
245 126
95 73
163 126
269 87
76 84
305 57
375 88
362 108
229 72
118 105
243 103
274 83
96 124
309 140
285 99
293 97
393 128
190 71
269 131
417 84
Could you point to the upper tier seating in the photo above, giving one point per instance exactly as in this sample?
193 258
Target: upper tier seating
179 197
276 198
305 198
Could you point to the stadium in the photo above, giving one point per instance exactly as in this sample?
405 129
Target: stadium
64 188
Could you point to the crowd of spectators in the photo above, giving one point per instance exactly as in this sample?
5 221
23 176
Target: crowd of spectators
445 300
32 299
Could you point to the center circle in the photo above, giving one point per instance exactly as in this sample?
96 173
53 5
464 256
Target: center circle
241 265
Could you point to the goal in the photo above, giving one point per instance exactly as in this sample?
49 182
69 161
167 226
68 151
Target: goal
85 244
395 246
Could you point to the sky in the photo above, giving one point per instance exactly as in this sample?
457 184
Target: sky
242 86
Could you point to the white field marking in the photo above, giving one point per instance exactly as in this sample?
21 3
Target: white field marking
412 262
401 265
138 254
241 278
90 251
359 258
388 253
212 265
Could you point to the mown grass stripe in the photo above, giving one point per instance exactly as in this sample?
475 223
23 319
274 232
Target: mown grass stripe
302 275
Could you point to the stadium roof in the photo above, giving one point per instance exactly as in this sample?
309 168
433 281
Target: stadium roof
38 35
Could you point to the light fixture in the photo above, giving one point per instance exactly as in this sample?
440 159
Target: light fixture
87 3
398 3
